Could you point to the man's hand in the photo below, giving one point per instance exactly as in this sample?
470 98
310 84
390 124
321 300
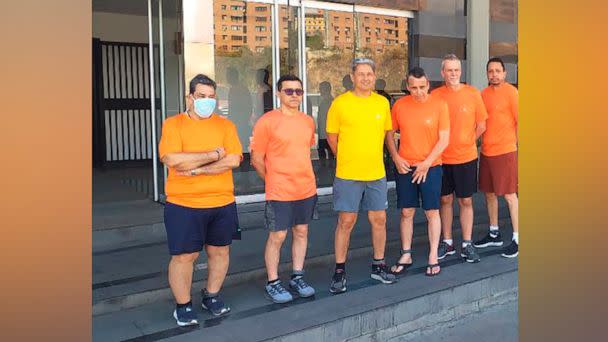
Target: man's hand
421 171
221 152
188 173
401 164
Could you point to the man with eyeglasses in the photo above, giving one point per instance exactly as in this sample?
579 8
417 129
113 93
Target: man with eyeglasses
281 144
357 123
200 149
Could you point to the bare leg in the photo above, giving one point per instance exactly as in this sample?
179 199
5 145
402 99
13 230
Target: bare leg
466 217
447 214
218 260
377 220
513 204
434 228
346 223
492 204
298 246
272 253
180 276
406 228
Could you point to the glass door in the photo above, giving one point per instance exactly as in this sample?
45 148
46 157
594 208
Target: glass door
166 67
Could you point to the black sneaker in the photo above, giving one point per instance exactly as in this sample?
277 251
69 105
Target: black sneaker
469 254
490 240
382 274
185 316
338 283
215 305
511 251
444 250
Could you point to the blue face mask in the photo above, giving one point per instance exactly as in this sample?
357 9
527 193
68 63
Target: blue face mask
204 107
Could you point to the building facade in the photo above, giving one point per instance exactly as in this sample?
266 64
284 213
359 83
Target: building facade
246 45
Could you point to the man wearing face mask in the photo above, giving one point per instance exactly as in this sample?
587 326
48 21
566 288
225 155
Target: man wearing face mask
200 150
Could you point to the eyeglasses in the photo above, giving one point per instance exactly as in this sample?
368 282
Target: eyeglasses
290 92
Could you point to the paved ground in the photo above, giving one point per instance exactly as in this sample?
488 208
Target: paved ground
496 324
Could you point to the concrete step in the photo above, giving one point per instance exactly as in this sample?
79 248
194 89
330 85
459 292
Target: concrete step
368 311
137 276
122 225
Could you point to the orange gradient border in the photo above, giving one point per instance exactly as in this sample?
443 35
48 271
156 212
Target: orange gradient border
45 178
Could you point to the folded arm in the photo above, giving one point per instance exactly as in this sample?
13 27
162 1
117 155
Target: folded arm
185 161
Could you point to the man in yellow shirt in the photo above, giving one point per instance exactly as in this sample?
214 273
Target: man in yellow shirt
357 123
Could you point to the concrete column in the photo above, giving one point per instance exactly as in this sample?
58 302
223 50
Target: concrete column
478 42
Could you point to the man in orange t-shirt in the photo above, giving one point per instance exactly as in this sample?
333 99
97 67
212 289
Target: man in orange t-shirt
498 161
200 149
467 122
281 144
423 122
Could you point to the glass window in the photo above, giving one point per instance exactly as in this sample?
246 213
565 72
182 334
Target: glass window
503 35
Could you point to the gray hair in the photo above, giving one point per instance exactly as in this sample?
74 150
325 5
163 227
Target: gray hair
449 57
358 61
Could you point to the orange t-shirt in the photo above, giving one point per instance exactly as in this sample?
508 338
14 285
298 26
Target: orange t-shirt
183 134
419 124
466 111
502 104
286 142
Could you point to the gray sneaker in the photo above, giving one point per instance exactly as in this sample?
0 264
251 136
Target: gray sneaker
299 285
277 293
444 250
382 274
469 253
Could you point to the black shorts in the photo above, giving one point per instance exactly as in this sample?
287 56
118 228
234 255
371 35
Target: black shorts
459 178
281 215
189 229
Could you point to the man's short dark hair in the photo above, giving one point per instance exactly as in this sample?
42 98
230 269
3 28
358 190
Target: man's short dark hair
285 78
201 79
496 60
416 72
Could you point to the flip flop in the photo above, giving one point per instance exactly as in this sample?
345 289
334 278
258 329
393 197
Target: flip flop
402 265
432 266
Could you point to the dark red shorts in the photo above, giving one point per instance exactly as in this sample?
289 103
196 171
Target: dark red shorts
498 174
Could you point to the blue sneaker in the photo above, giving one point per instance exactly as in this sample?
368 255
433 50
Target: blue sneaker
277 292
185 316
215 305
299 285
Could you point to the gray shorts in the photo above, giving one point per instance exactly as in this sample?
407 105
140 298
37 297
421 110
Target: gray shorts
352 195
281 215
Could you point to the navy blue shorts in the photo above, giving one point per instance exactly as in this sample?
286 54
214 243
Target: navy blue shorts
282 215
410 194
189 229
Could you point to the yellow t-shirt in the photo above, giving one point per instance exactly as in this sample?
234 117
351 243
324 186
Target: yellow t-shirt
361 124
